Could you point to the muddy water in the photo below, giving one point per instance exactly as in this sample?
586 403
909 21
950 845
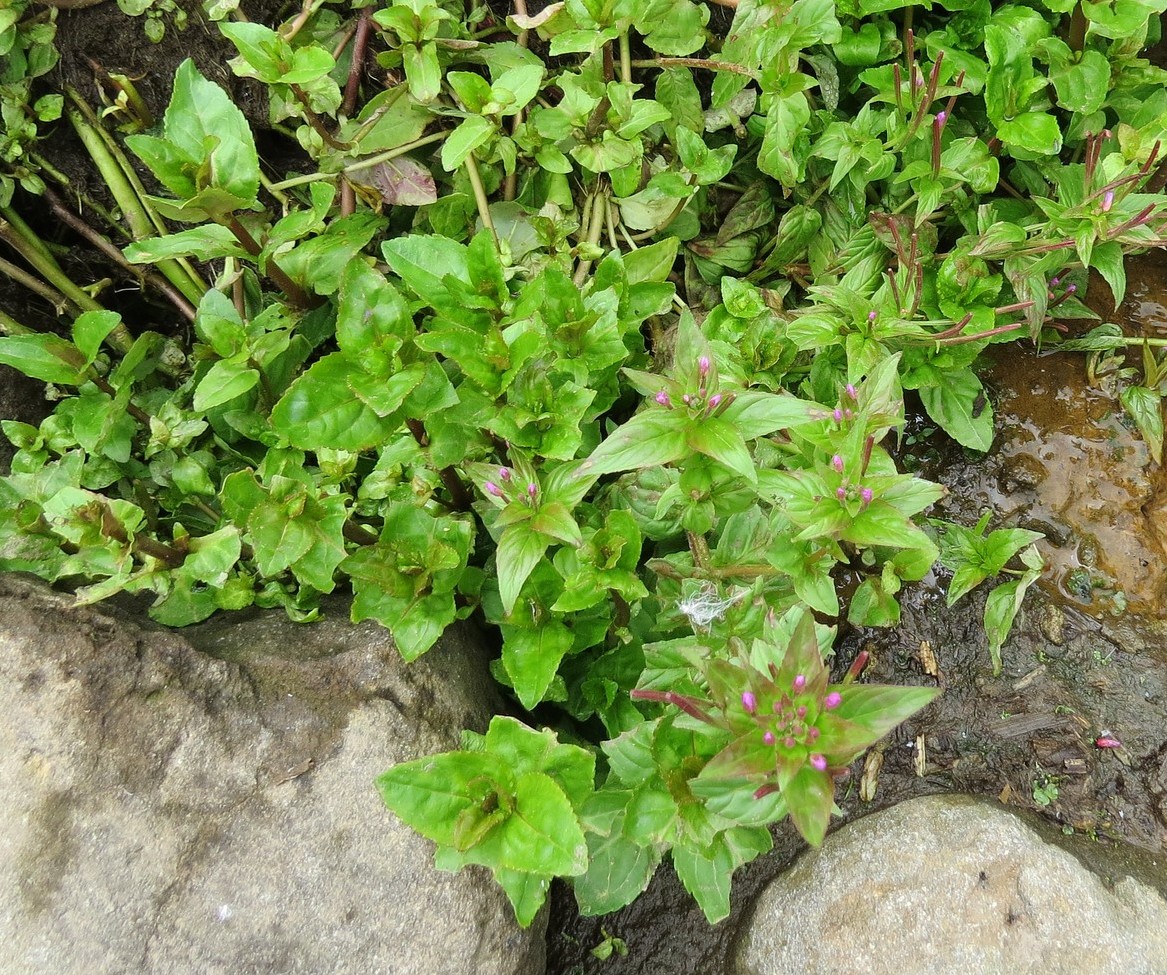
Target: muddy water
1088 655
1067 462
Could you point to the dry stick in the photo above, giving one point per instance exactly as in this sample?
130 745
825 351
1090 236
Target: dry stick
185 308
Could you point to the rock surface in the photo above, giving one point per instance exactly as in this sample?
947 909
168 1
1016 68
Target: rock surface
946 884
170 812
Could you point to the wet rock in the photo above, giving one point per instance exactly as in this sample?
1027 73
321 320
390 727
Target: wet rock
946 884
172 810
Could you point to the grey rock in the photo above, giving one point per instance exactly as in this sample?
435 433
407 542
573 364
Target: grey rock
211 811
946 884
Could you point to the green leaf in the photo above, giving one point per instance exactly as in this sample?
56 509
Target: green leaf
716 437
706 878
1082 87
543 835
203 125
471 133
1032 132
519 551
207 242
961 408
44 357
650 439
320 410
91 329
755 413
1145 406
531 658
225 380
1108 258
653 262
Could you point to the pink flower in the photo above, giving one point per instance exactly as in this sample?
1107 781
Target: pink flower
663 398
832 700
819 762
492 488
749 702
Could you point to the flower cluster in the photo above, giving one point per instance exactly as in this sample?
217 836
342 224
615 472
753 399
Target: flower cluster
509 491
703 402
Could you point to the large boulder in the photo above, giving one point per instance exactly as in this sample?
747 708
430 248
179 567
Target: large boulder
171 810
946 884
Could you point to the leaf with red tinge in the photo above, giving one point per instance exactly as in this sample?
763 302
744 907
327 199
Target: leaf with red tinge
401 182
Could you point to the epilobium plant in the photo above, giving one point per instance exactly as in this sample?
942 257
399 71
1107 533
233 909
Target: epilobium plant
593 326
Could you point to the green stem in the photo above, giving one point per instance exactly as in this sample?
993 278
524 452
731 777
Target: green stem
360 164
10 326
480 195
21 237
34 284
595 228
626 58
121 180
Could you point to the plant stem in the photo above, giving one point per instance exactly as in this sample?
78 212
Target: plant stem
480 196
360 45
34 284
595 228
314 120
297 295
10 326
626 58
102 244
129 194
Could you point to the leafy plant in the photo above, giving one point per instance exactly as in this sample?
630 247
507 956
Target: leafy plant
593 326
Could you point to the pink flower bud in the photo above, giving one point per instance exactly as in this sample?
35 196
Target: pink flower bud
789 742
492 488
504 474
852 392
871 316
769 738
799 683
749 702
941 117
819 762
841 493
686 399
837 463
1107 201
663 398
703 365
838 414
532 490
848 414
801 712
867 494
813 734
1106 741
714 401
832 700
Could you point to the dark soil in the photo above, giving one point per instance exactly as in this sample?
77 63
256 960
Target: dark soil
1088 659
